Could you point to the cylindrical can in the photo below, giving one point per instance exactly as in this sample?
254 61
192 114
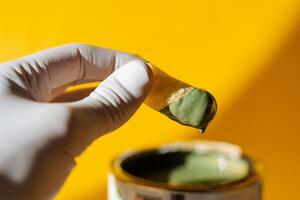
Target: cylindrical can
193 170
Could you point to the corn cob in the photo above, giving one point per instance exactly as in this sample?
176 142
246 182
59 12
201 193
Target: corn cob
180 101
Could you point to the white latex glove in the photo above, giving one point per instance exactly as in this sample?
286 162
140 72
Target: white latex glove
39 140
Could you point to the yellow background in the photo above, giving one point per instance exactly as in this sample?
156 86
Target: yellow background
247 53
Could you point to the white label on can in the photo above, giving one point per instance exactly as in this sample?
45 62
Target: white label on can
112 192
119 190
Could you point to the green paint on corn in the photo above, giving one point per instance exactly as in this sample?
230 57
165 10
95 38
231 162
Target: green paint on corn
196 109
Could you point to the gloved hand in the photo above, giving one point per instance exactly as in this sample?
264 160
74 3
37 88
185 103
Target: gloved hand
39 140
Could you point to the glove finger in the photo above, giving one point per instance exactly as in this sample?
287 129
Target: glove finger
40 74
109 106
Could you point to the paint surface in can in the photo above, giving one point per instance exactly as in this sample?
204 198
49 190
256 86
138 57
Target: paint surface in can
186 167
205 170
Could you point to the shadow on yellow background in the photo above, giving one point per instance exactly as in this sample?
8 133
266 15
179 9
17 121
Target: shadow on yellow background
264 120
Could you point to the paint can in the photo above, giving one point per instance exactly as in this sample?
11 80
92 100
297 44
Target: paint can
192 170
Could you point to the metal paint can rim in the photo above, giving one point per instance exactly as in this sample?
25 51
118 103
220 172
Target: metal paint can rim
195 145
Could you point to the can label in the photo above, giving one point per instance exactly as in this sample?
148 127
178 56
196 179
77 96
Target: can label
119 190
